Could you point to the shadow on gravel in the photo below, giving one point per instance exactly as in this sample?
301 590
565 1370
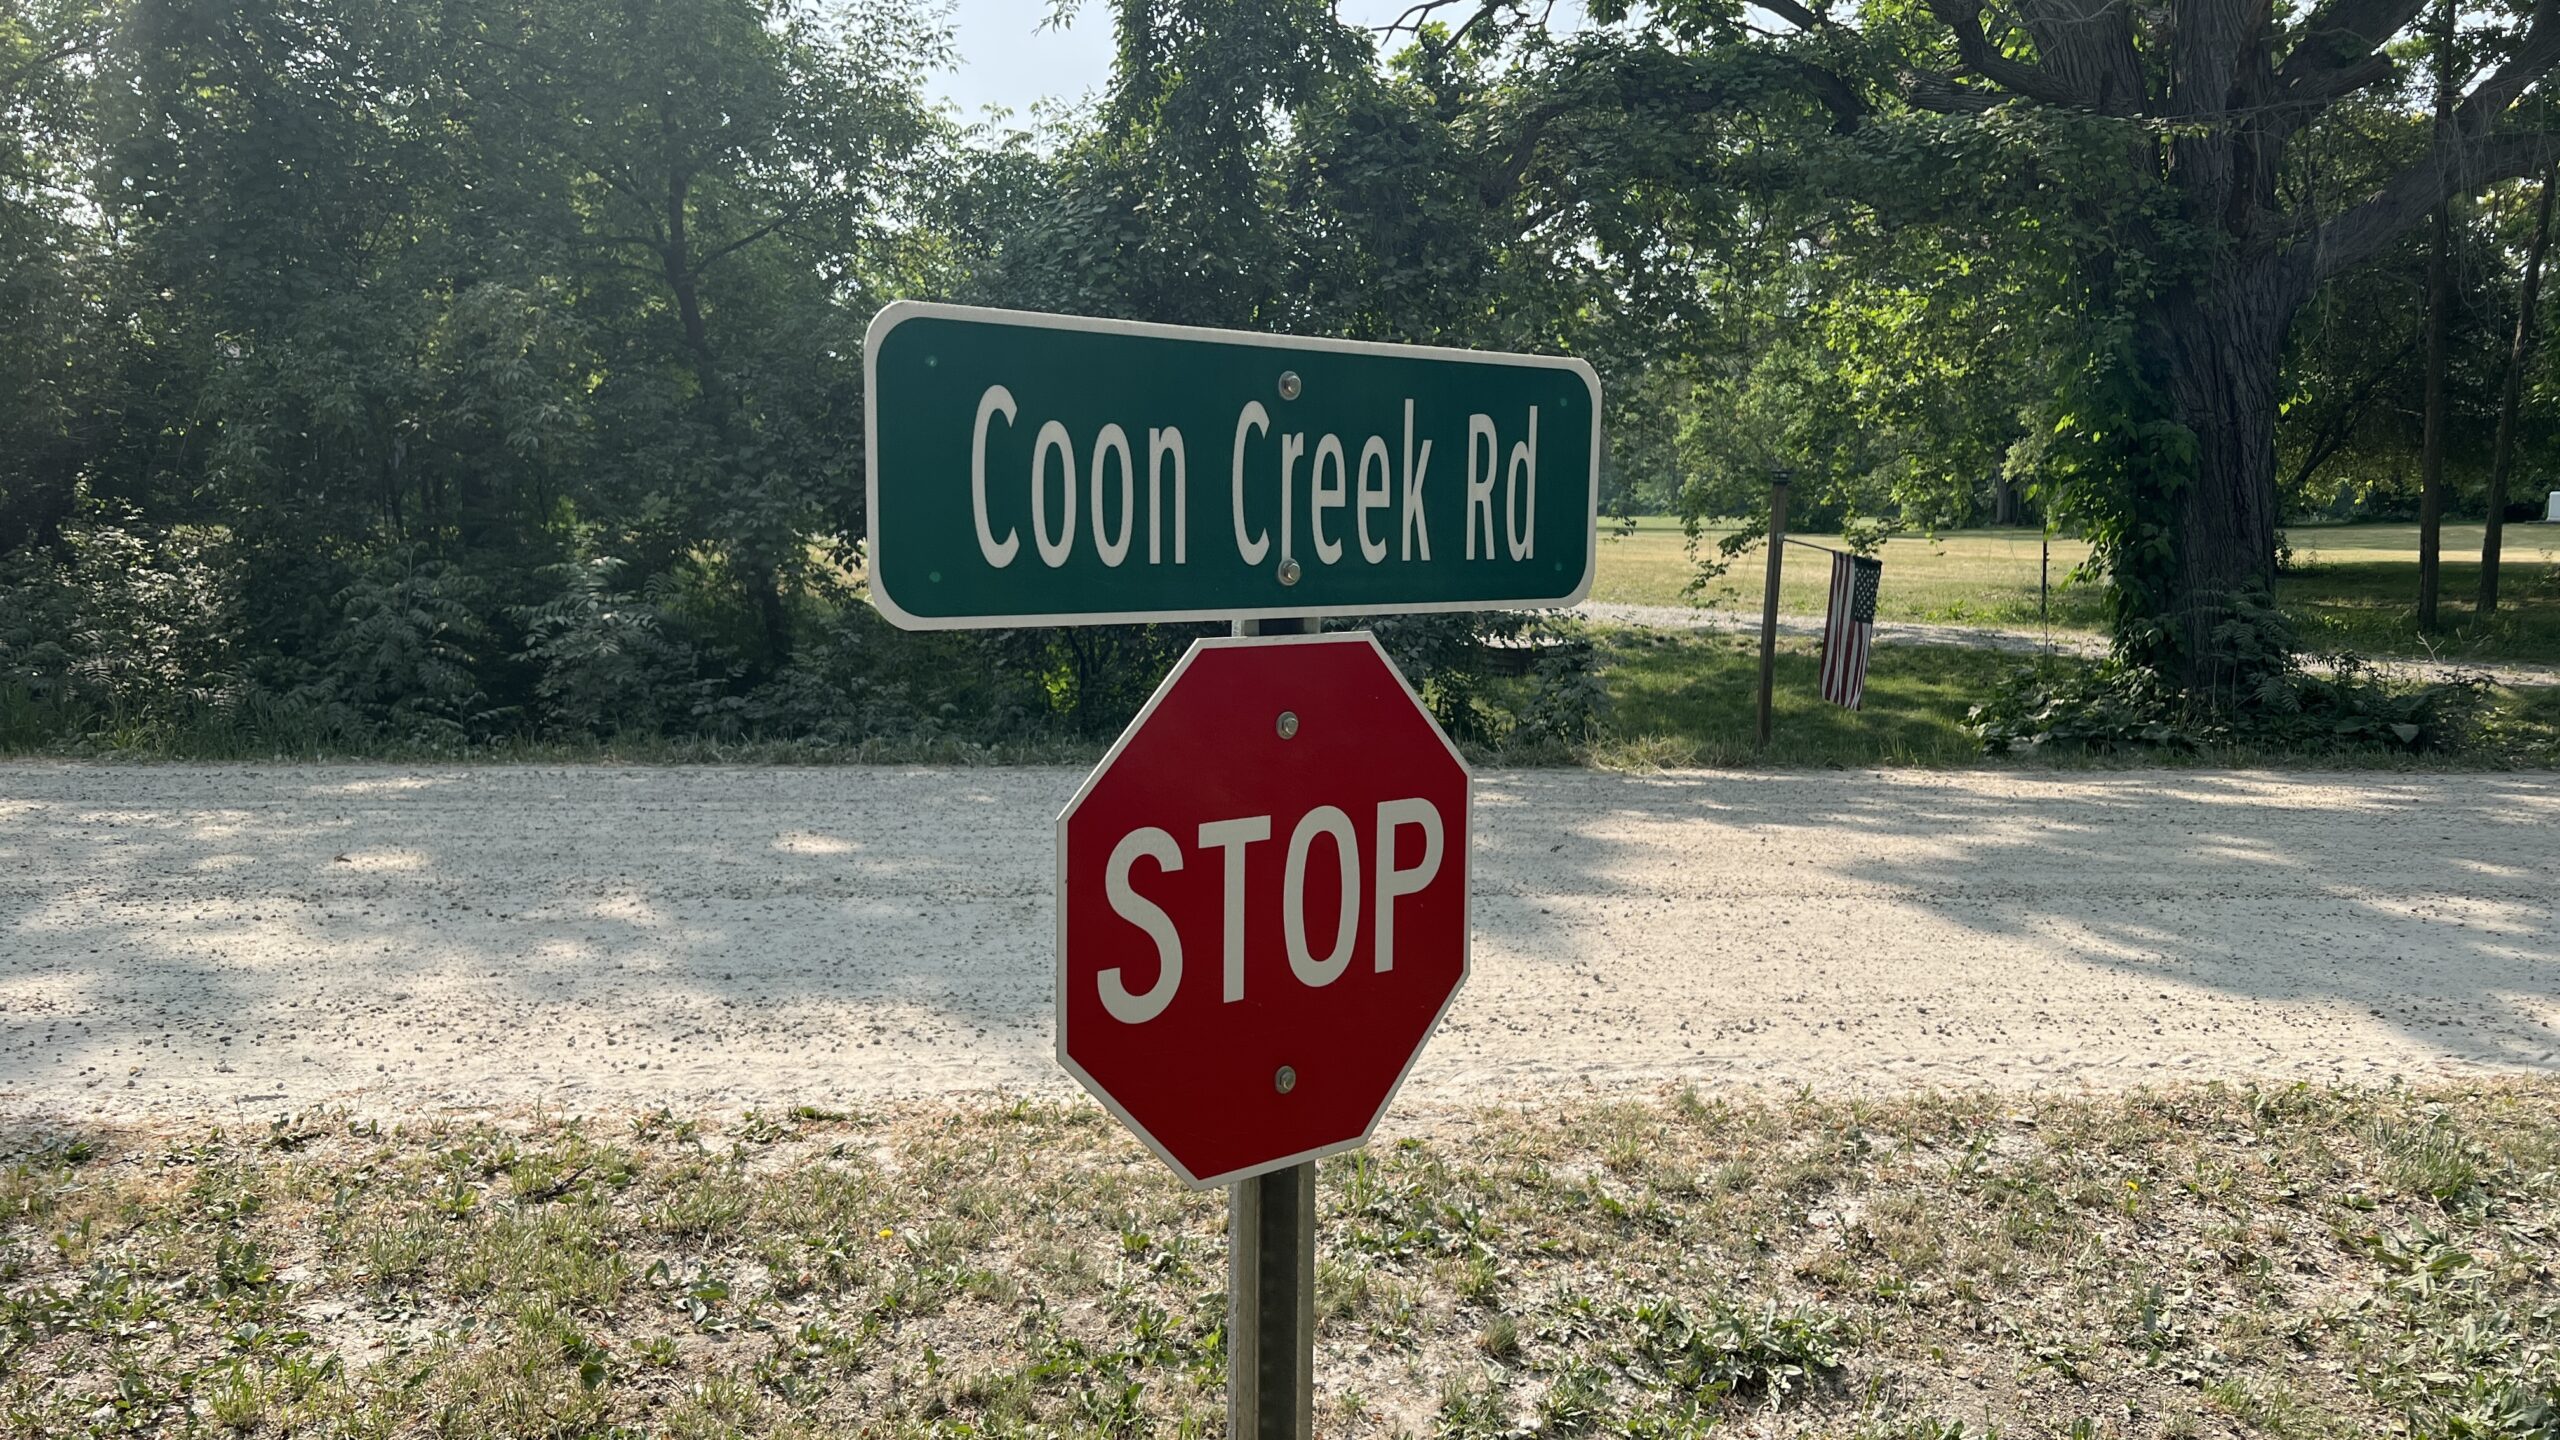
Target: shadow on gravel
2419 899
226 914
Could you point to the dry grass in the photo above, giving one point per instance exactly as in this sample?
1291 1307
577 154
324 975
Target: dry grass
2351 587
1979 577
2215 1261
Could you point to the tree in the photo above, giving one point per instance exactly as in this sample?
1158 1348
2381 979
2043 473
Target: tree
2511 395
2439 327
49 258
2168 141
724 164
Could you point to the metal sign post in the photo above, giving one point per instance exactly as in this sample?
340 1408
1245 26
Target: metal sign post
1271 1268
1262 916
1271 1305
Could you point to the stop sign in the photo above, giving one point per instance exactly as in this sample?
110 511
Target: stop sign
1262 904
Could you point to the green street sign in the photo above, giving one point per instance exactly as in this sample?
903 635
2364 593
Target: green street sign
1047 470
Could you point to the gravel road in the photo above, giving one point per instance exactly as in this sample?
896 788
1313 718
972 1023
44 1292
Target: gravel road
192 941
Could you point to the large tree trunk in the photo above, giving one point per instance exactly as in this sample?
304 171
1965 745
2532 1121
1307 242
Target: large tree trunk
2221 351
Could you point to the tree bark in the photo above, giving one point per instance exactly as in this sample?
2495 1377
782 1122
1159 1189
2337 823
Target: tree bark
2439 317
2431 444
757 572
2221 351
2511 396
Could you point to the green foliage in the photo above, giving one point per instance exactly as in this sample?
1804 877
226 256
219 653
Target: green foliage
405 655
121 629
484 370
1458 664
606 662
2118 708
1766 1352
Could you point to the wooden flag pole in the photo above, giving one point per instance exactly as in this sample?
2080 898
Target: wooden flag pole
1769 600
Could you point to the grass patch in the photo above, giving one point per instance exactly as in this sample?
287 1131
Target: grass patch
2297 1261
2370 606
1968 577
2353 587
1682 698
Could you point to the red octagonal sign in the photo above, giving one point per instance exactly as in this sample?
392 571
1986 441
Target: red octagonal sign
1262 904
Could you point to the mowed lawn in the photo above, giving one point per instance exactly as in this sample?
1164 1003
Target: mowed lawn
2357 589
1977 577
2350 587
1692 699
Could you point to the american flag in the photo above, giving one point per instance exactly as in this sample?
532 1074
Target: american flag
1849 630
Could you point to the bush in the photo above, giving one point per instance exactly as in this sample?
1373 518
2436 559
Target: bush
1455 662
404 657
2346 705
606 663
125 630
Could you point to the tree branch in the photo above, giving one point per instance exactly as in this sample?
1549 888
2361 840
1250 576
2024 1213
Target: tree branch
34 63
2465 155
2531 61
2334 433
1419 14
1800 16
1939 92
2335 54
2452 167
727 248
1964 18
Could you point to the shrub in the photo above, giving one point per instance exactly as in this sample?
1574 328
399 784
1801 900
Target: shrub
607 665
404 657
1453 661
124 629
2344 705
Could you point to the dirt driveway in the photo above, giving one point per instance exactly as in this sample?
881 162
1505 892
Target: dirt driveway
239 940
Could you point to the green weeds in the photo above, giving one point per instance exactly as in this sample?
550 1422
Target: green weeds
2278 1262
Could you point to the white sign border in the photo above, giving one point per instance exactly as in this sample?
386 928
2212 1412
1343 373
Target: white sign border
898 312
1466 906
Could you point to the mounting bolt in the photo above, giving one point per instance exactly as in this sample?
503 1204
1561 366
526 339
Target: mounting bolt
1288 724
1288 572
1288 384
1286 1080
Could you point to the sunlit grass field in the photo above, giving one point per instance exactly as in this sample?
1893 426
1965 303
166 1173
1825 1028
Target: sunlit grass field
2351 587
1978 577
2356 588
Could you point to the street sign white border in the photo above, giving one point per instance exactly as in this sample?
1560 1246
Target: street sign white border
1466 905
898 312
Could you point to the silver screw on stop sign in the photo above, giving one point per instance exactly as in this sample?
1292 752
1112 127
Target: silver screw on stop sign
1288 724
1286 1080
1288 384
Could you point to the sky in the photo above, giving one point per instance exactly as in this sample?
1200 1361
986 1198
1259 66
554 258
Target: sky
1010 57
